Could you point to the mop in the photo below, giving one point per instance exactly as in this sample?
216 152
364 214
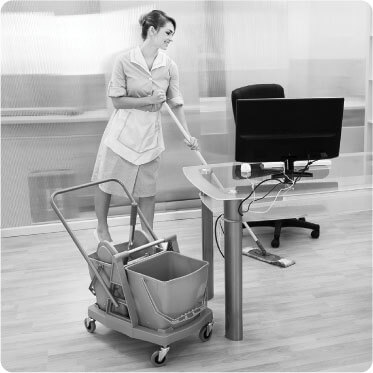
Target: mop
259 254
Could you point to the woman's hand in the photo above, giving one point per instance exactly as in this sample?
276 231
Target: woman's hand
158 97
192 143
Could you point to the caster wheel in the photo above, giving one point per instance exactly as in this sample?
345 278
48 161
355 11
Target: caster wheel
90 324
205 333
315 234
275 243
155 359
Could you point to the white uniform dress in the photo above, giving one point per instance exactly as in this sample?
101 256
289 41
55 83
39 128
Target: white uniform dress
133 141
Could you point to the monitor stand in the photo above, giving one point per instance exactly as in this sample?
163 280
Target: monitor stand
290 172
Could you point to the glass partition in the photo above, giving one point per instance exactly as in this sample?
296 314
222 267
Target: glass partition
57 58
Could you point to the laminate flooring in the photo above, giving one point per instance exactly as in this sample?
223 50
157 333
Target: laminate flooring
313 316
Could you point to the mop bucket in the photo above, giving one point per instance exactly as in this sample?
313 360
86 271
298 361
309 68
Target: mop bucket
169 289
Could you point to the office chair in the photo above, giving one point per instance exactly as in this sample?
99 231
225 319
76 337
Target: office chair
271 91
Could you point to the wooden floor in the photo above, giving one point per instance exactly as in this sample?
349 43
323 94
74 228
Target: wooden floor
313 316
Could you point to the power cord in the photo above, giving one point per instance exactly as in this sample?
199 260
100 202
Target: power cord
306 167
285 181
285 190
240 211
216 237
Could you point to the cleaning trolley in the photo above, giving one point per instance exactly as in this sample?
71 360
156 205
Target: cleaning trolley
145 288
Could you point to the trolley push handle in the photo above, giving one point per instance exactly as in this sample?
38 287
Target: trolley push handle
87 185
72 235
74 238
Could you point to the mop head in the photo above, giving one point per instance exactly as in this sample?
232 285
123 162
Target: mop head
268 258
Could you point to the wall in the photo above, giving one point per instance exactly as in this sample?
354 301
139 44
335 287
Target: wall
57 60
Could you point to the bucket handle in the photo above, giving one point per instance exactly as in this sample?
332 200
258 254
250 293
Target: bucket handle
183 317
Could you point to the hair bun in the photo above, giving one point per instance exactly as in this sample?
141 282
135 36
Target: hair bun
142 20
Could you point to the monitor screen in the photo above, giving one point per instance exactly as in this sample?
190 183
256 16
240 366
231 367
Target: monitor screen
281 129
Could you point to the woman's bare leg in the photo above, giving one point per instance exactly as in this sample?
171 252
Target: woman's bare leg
102 203
147 206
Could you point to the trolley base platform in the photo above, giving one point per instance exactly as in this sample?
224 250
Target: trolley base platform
161 338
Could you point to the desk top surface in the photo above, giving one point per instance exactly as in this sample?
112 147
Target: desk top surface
225 181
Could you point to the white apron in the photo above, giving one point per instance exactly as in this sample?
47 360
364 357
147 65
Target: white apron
135 135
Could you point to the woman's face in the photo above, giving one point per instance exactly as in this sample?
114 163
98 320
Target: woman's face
164 35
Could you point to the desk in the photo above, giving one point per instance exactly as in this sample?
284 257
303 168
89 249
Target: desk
324 193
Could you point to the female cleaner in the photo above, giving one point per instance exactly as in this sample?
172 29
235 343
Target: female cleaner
142 79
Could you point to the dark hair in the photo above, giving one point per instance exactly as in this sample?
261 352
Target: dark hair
155 18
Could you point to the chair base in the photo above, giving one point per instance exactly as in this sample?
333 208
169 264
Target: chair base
279 224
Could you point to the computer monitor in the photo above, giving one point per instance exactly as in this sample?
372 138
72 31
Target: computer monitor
288 130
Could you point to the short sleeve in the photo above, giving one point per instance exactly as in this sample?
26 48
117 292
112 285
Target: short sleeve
174 97
118 83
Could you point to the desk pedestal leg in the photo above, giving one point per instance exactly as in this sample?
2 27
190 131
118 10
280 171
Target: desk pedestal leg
207 247
233 270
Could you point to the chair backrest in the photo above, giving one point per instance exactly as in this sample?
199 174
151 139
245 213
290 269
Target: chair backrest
256 91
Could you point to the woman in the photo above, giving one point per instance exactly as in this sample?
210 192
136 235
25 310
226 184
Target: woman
142 79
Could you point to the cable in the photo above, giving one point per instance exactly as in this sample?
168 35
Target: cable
216 238
306 167
273 202
285 181
258 199
278 193
286 177
246 198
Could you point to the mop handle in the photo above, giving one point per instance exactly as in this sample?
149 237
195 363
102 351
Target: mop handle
183 131
132 224
187 137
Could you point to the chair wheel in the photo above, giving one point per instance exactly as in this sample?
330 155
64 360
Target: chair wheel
155 361
315 234
275 243
90 324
